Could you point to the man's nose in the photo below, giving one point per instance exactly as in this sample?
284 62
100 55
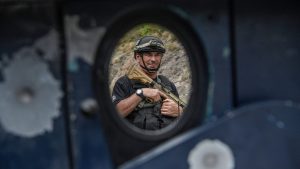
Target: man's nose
152 57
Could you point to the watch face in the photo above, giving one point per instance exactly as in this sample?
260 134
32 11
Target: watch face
139 91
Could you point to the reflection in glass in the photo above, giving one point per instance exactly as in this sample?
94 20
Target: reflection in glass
154 51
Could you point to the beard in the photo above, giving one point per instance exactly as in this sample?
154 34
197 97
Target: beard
152 67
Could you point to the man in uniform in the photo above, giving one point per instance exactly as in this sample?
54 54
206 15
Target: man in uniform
145 107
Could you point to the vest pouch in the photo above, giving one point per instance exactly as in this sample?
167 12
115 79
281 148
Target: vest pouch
138 119
147 117
150 118
166 120
151 122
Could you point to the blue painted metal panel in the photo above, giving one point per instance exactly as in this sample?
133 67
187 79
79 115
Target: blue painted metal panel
32 124
211 21
267 51
83 32
264 48
89 143
262 135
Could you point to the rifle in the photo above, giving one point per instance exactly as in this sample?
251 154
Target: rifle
134 73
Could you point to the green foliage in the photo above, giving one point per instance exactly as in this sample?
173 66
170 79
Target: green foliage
149 29
142 30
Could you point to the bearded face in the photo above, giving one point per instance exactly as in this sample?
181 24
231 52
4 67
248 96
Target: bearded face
150 60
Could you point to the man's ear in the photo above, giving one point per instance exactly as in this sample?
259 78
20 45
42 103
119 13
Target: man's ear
136 56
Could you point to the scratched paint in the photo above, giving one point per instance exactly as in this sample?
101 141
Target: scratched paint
211 154
30 95
82 43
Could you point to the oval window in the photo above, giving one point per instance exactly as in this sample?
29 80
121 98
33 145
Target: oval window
163 47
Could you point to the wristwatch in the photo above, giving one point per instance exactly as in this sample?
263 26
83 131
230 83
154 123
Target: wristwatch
139 92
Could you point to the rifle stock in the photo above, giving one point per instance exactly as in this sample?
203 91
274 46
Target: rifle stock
134 73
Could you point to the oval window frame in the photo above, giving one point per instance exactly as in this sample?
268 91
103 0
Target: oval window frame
173 19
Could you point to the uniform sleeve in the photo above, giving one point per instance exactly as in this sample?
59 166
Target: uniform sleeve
120 90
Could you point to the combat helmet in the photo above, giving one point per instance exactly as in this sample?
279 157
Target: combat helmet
149 44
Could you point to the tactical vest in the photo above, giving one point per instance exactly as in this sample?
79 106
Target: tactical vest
147 115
